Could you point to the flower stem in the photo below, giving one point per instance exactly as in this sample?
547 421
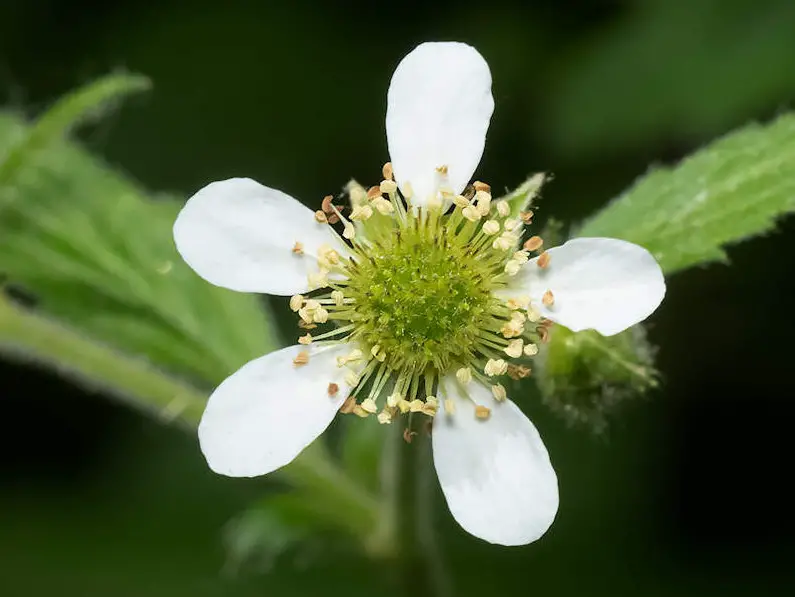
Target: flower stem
420 567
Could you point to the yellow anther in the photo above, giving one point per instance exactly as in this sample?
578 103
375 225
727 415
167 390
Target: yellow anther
520 256
518 317
320 315
360 412
481 186
505 242
491 227
298 248
320 217
348 231
495 367
514 348
307 339
318 279
503 209
442 169
533 243
518 302
482 412
404 405
384 417
484 202
383 206
512 267
296 301
416 405
511 225
369 405
499 393
449 406
305 314
548 299
430 407
531 350
471 213
393 400
460 201
543 260
512 329
374 350
337 297
533 314
302 358
388 186
387 171
312 304
464 375
363 212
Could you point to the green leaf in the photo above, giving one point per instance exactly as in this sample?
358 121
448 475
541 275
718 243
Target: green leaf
731 190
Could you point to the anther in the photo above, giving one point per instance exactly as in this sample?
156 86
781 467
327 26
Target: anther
484 202
320 217
481 186
495 367
491 227
349 231
296 301
499 393
511 225
317 279
326 204
460 201
393 400
533 314
387 171
307 339
332 389
533 243
368 405
388 186
464 375
362 212
383 206
298 248
514 348
520 256
543 260
347 406
471 213
337 297
531 350
512 267
320 315
482 412
505 242
302 358
442 169
384 417
416 405
449 406
517 372
548 299
374 192
526 217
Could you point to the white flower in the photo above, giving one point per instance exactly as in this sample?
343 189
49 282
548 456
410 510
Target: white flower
418 294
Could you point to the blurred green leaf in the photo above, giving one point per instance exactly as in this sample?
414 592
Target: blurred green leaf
672 68
96 251
733 189
522 197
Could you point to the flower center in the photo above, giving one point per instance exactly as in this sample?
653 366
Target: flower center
415 293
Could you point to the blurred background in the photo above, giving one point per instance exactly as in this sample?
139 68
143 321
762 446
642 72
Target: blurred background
687 491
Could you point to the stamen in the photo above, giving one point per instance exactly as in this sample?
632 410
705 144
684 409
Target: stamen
302 358
548 299
531 350
499 393
368 405
533 243
449 406
481 186
320 217
296 301
482 412
464 375
333 389
495 367
298 248
514 348
543 260
503 209
388 172
307 339
491 227
526 217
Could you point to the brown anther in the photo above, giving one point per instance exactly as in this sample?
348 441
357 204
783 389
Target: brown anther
333 218
347 406
408 435
298 248
320 217
442 169
482 412
304 325
517 372
526 216
548 299
543 333
481 186
374 192
333 389
547 323
387 171
543 260
533 243
326 205
302 358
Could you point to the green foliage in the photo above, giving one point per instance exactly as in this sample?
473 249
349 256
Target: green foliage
732 189
96 251
671 69
523 196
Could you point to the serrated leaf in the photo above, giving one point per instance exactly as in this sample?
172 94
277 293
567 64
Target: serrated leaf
731 190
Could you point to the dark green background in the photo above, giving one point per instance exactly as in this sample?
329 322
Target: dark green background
688 491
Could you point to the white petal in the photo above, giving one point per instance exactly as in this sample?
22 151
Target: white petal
240 234
265 413
603 284
495 473
438 110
